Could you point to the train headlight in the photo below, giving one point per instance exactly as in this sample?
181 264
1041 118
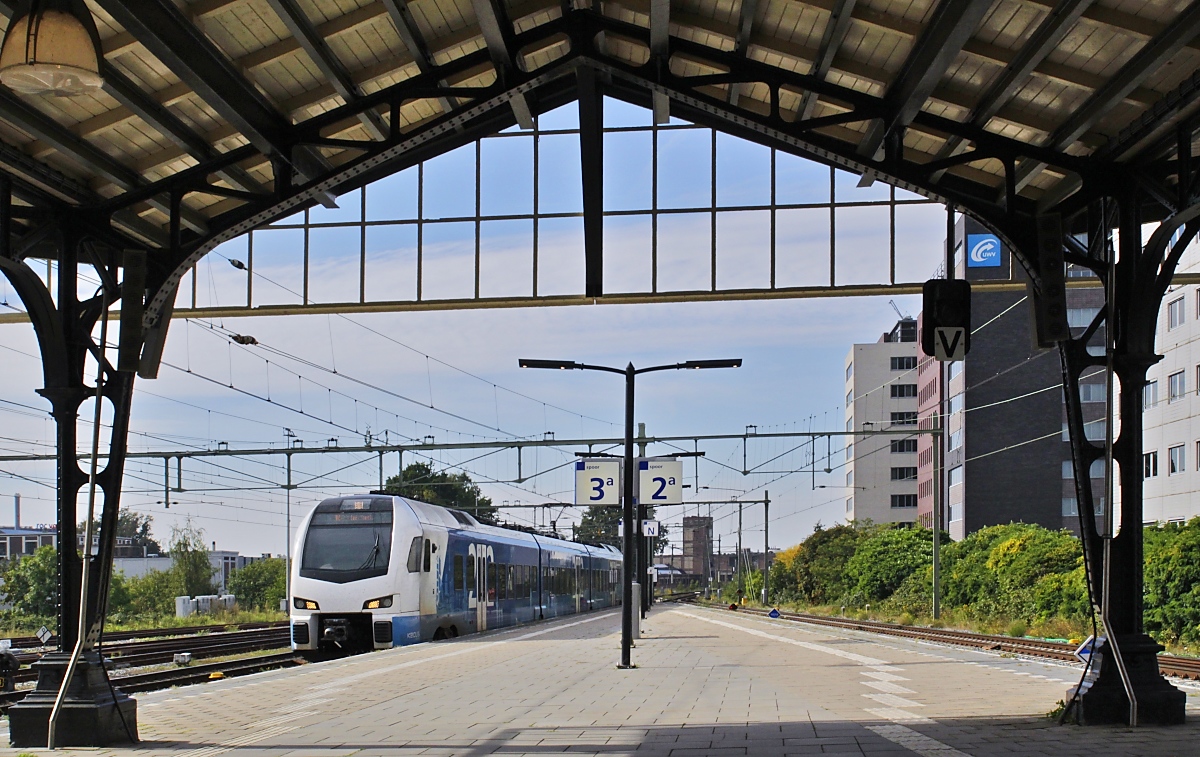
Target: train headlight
375 604
305 604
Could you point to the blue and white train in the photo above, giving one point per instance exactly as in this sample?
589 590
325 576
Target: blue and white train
377 571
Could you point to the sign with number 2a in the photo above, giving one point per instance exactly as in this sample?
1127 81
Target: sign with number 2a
598 482
660 482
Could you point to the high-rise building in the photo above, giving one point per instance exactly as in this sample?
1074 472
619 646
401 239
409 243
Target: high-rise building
1005 454
881 394
1171 402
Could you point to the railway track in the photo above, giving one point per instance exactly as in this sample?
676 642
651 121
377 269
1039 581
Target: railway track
1170 665
138 649
164 679
111 637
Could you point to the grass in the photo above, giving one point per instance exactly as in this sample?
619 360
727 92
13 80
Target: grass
27 626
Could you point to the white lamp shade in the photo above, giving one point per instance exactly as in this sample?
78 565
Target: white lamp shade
55 55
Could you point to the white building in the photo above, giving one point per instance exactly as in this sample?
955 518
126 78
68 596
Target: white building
881 394
1171 399
223 562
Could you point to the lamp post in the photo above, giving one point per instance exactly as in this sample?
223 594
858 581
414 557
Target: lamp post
632 528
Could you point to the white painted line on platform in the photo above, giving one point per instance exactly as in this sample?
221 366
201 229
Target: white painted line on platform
916 742
860 659
892 700
883 676
887 688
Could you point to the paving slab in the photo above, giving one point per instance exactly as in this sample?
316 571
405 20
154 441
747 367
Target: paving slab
708 682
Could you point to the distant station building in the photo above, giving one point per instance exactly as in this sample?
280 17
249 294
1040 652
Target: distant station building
698 547
1006 456
1171 438
881 394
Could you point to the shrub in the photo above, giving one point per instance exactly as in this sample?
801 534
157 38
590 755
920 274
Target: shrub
886 558
1017 628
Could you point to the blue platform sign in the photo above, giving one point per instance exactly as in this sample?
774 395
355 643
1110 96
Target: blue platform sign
983 251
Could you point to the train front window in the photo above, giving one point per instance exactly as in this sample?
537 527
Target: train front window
348 539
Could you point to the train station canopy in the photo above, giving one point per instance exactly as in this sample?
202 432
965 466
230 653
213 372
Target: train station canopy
236 111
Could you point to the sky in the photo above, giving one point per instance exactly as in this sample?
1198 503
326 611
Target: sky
453 375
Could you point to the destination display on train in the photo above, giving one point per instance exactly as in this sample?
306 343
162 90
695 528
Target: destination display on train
350 518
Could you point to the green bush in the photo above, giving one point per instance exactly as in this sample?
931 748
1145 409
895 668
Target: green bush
885 558
262 583
1172 576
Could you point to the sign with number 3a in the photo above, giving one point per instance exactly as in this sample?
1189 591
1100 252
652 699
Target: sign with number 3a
598 482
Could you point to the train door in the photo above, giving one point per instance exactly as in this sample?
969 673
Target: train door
577 591
483 597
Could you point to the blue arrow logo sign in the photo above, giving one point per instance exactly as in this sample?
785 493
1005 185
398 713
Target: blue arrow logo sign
983 251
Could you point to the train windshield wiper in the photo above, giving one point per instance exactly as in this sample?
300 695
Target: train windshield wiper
373 557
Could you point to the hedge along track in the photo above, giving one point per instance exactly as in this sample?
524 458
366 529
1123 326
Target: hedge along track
1170 665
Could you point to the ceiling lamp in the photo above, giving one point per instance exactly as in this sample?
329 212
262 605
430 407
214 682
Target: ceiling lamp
52 49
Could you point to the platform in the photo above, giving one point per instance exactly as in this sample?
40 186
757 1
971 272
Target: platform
709 682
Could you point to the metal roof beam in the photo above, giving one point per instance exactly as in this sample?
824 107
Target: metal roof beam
414 41
932 54
660 42
124 91
32 121
831 42
1061 19
498 33
745 29
179 44
1153 55
333 70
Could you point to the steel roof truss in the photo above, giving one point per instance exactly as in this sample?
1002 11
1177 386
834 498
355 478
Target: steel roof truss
498 33
932 54
332 69
831 42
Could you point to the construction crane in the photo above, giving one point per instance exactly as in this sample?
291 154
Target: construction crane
896 307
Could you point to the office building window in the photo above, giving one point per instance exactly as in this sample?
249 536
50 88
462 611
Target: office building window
1093 393
850 478
1149 395
849 399
1176 386
1175 460
1175 314
904 363
849 504
954 369
956 404
904 390
904 419
904 445
1070 506
1068 471
1198 372
1081 318
954 440
904 500
904 474
849 371
956 476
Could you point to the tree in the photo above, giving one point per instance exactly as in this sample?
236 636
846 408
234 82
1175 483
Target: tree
261 584
599 526
190 564
421 482
134 526
137 527
31 583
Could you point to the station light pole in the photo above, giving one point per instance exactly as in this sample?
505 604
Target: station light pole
632 528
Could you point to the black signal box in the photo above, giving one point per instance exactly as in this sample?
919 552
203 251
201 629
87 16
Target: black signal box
946 305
